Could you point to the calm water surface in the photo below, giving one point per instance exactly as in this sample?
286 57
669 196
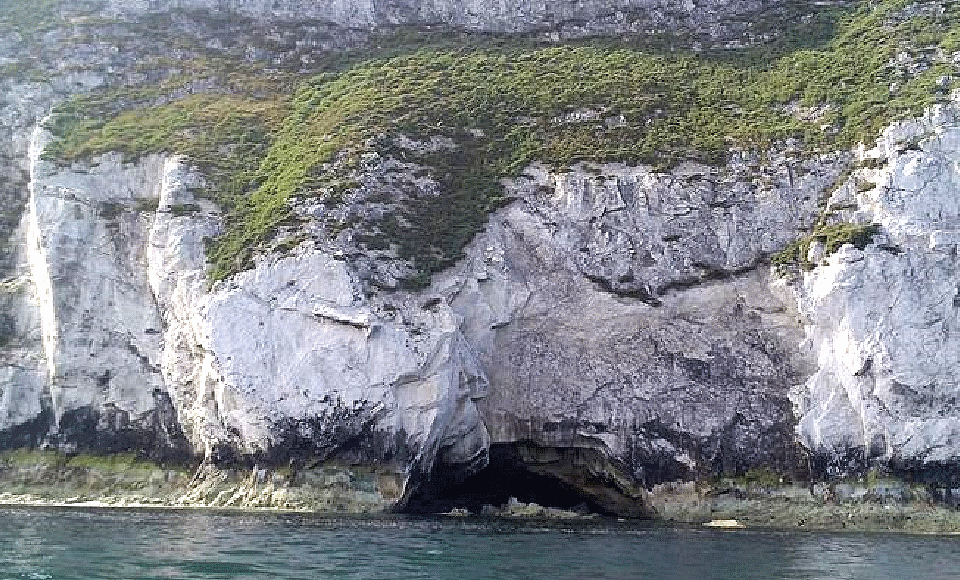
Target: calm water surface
59 544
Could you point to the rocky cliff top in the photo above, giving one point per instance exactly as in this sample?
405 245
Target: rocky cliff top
561 17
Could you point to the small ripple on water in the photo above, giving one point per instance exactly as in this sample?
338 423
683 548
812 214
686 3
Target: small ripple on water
214 568
91 545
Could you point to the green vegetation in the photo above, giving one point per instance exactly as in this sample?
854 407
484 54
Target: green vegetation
505 103
29 17
761 477
24 457
832 236
225 131
227 135
121 463
50 475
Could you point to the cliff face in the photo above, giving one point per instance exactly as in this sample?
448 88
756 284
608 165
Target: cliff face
711 18
882 321
613 310
612 327
285 363
99 326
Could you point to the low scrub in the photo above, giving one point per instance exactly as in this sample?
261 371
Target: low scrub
506 103
833 237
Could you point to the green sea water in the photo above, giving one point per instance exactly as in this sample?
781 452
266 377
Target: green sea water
90 544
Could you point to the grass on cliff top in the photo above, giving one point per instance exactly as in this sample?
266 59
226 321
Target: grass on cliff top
509 103
225 131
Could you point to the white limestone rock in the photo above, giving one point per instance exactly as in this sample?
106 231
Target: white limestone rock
884 322
23 369
292 353
87 241
609 307
622 310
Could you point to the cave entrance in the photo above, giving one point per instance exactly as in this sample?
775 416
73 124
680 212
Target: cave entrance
507 475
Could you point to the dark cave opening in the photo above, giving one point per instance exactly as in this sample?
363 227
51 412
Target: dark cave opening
505 476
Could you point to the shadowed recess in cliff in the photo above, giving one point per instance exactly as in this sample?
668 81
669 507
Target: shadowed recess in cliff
349 435
29 434
155 435
577 479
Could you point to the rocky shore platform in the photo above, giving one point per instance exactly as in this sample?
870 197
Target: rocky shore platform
872 504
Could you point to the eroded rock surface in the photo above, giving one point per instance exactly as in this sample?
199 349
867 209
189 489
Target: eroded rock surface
634 312
285 363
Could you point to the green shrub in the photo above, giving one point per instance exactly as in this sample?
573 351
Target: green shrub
833 237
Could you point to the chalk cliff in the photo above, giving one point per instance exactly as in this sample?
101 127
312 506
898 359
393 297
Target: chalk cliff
612 327
881 321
